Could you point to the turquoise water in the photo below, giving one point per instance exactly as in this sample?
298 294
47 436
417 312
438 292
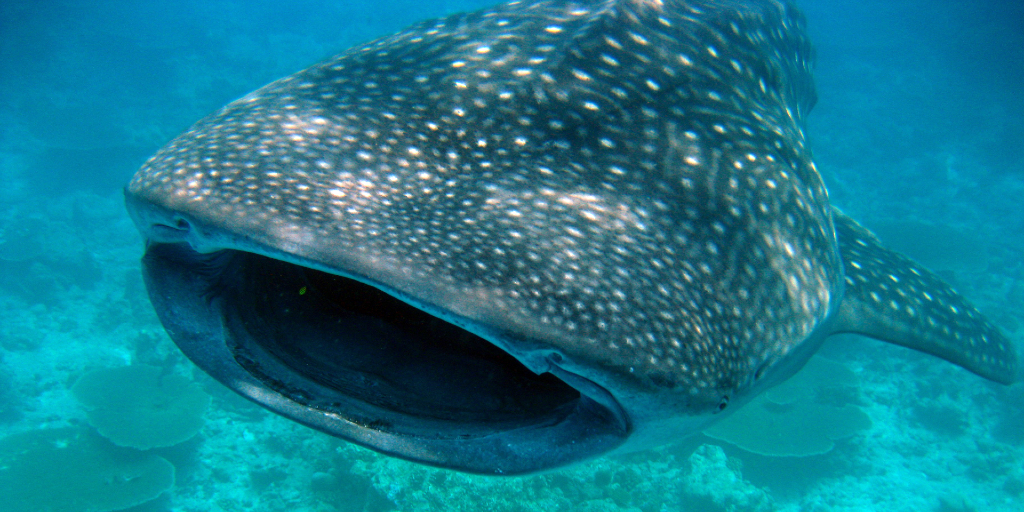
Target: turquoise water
918 132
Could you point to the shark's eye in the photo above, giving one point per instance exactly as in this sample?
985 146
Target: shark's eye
724 403
175 230
760 371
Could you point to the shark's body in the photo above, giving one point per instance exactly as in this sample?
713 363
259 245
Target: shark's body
513 239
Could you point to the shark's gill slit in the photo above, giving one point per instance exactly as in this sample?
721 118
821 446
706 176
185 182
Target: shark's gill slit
377 350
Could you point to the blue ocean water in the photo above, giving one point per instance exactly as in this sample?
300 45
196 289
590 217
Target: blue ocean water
918 132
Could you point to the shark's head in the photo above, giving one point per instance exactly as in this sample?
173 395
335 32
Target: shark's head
507 240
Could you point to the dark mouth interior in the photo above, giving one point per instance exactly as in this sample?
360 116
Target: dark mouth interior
377 351
349 360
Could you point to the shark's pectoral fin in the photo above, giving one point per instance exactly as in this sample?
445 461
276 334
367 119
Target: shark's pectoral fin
892 298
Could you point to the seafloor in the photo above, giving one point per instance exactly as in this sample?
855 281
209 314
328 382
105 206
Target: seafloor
929 159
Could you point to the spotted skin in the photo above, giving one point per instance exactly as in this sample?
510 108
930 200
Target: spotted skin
615 192
468 152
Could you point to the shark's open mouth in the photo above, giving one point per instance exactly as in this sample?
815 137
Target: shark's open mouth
353 361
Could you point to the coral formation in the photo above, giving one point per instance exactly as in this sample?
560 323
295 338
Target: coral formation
704 480
40 258
139 407
714 477
1009 427
10 401
802 416
73 470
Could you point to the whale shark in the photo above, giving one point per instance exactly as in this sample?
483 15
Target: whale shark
513 239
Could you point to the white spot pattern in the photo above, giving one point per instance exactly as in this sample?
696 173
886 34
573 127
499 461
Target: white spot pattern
593 171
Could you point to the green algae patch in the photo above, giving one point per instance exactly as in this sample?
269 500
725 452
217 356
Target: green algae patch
138 407
74 470
801 417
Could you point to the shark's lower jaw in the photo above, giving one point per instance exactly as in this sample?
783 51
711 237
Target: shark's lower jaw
354 362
